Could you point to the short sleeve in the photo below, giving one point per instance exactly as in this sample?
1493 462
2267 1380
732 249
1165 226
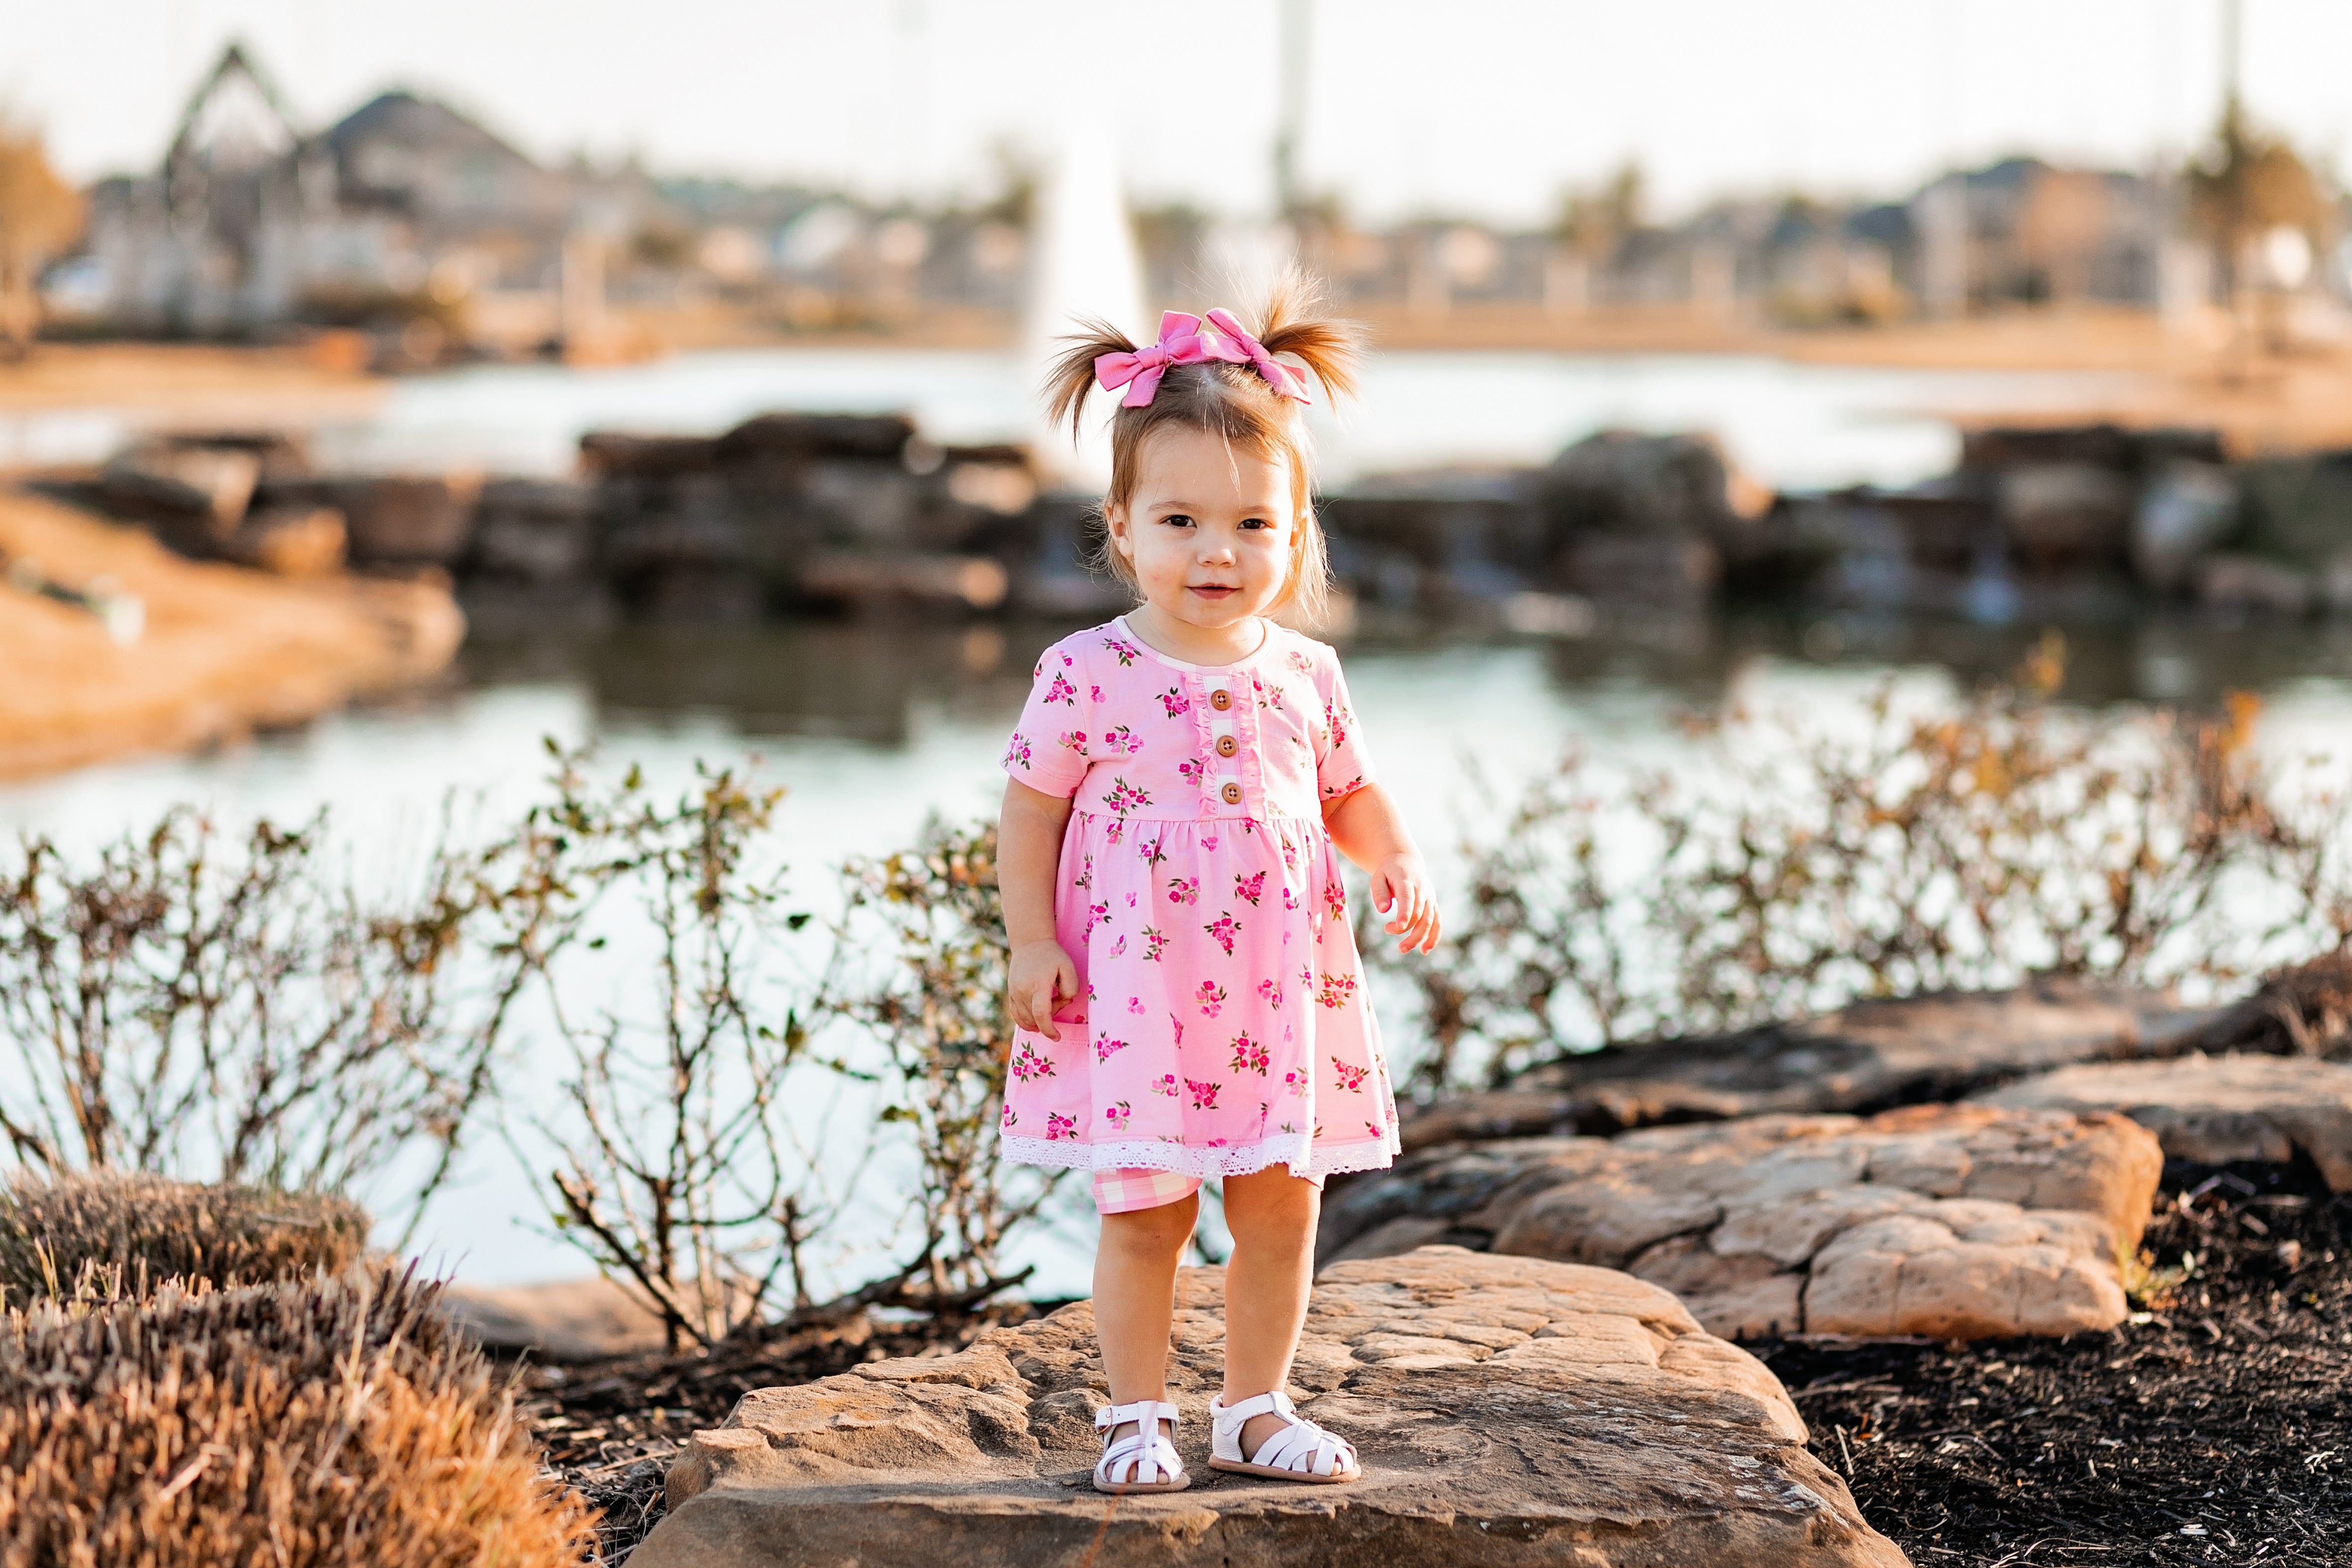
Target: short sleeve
1048 751
1342 766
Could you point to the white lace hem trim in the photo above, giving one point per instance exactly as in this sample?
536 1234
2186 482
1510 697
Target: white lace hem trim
1237 1160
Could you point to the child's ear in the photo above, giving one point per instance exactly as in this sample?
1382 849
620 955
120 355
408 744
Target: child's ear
1115 521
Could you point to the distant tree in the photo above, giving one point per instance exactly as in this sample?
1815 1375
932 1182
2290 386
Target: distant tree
1595 222
40 217
2244 185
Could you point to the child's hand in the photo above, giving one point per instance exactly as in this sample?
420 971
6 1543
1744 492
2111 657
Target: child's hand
1401 890
1038 974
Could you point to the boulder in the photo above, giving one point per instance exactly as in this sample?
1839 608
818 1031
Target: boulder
2215 1110
2252 586
1869 1056
194 497
564 1320
290 540
2304 1009
1958 1221
406 520
1509 1410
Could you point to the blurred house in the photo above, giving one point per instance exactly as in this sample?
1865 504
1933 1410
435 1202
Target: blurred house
405 211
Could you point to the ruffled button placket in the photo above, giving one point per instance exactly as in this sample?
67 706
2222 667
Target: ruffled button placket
1210 724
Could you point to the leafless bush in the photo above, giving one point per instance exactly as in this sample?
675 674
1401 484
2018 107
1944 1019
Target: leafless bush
332 1421
681 1172
942 1016
235 1012
147 1228
1787 872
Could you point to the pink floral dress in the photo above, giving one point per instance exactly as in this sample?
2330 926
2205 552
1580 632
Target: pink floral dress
1222 1023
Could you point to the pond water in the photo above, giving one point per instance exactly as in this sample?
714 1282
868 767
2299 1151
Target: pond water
873 728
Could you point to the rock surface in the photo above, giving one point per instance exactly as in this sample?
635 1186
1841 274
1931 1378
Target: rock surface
569 1319
2217 1110
1869 1056
1509 1410
1956 1222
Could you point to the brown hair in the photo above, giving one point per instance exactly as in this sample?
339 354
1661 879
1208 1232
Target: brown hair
1229 401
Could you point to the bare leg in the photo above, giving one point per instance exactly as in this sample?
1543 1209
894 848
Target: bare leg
1135 1298
1272 1214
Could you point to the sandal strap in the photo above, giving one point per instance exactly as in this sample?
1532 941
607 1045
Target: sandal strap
1275 1402
1141 1410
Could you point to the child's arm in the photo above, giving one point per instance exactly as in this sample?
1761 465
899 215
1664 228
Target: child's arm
1028 859
1369 830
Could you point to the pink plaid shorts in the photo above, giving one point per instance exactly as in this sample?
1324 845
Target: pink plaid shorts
1128 1192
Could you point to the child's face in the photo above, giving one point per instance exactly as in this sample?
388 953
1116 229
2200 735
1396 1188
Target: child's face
1209 528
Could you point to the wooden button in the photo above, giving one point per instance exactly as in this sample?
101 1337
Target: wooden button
1221 700
1227 745
1231 794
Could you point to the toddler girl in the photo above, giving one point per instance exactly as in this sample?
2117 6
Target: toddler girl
1185 991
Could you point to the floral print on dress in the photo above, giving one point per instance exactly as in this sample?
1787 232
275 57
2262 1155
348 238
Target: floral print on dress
1248 1055
1259 920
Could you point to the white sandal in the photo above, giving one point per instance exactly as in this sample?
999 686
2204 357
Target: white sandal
1148 1457
1301 1451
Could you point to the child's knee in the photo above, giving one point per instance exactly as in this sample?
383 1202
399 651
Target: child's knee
1153 1231
1273 1210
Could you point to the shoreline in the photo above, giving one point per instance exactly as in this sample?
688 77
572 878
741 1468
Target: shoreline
226 651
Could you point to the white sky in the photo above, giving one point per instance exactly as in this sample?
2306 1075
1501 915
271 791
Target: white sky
1485 107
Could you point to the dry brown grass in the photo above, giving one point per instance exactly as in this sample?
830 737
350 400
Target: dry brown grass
336 1421
145 1228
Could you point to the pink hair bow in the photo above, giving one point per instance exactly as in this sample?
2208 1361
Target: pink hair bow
1237 347
1180 343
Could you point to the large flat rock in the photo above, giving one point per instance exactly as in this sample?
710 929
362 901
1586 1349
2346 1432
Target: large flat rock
2217 1110
1961 1222
1867 1057
1509 1410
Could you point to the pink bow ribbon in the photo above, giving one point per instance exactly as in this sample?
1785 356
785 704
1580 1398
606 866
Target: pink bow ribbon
1237 347
1180 343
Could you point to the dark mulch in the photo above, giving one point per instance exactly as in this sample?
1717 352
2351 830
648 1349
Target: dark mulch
611 1427
2215 1429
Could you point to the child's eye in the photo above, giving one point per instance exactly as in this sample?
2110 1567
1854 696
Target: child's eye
1255 522
1177 520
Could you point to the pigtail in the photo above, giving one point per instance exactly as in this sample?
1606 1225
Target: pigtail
1072 373
1328 348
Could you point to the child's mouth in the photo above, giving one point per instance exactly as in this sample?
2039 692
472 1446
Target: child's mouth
1213 590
